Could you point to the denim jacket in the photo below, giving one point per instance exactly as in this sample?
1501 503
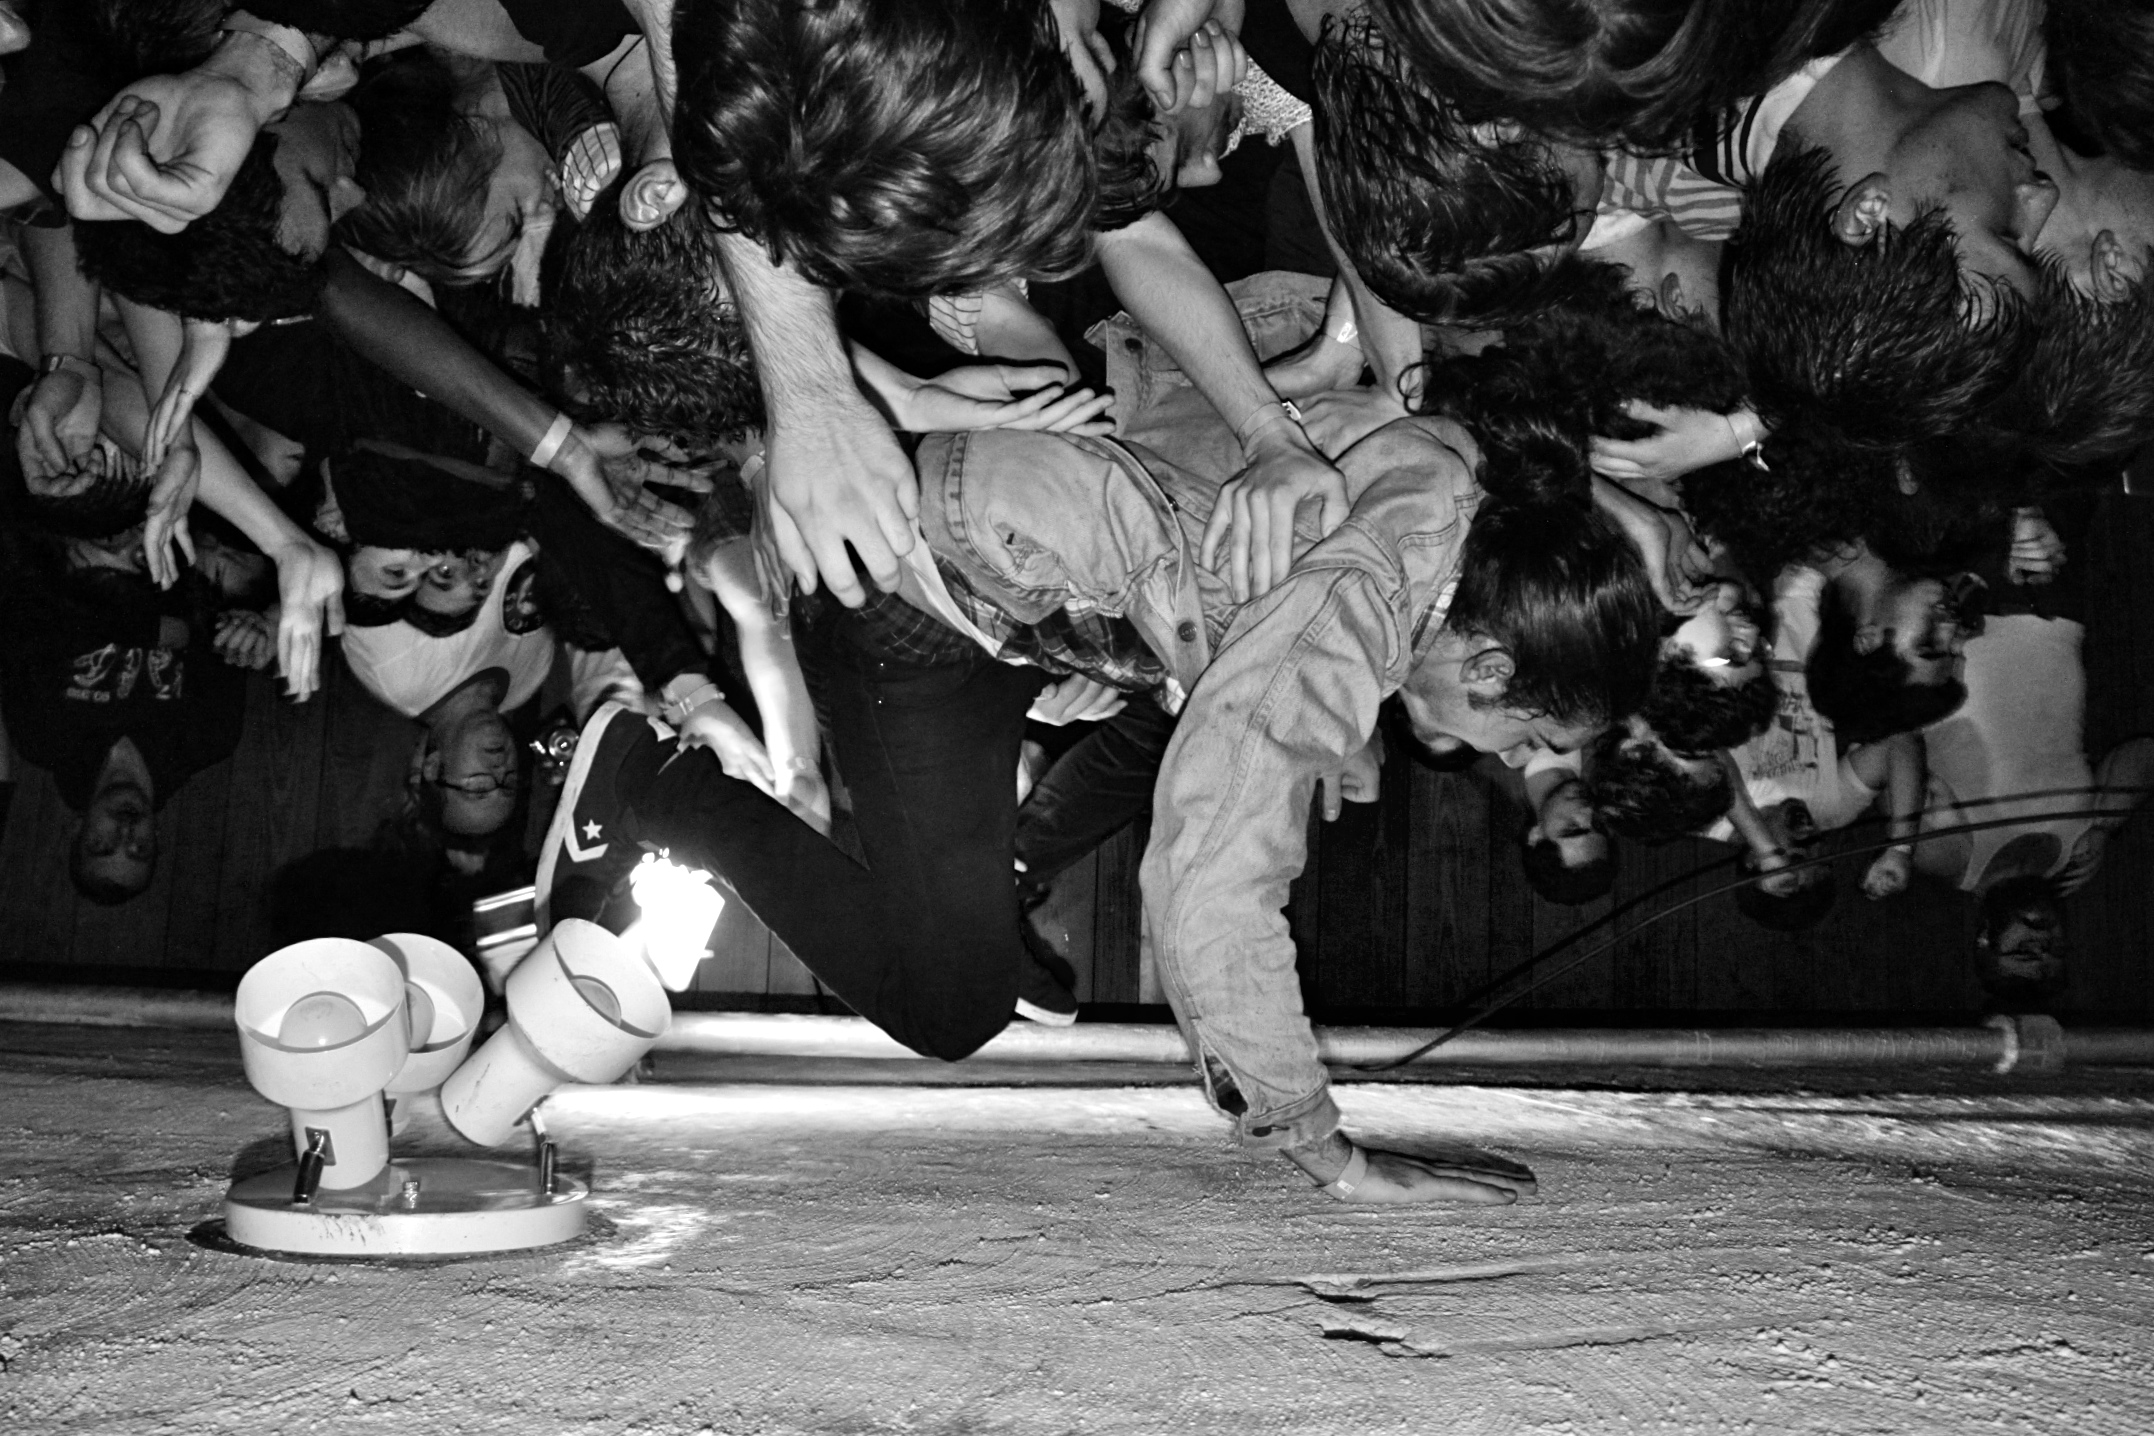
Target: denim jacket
1280 692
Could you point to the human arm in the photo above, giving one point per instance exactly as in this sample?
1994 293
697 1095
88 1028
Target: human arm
1332 357
2037 552
791 736
836 474
59 422
1689 440
1168 291
1897 765
1390 341
203 348
981 396
1165 31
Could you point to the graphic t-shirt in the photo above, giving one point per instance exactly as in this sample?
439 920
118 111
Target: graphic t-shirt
411 671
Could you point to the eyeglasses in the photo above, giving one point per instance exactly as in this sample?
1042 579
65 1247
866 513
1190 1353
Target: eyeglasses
478 785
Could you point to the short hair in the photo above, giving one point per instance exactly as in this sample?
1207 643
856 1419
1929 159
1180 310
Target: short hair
1868 696
426 169
226 265
1640 793
402 501
898 150
1548 875
634 334
1887 343
1436 215
1798 911
1697 716
2101 60
2085 396
113 503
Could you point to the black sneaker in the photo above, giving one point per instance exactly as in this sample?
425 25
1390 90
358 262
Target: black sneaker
1046 983
584 858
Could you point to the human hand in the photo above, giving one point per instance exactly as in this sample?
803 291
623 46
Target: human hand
987 396
836 478
1337 420
1888 874
310 604
2037 551
608 468
174 408
164 522
652 195
59 423
244 639
1358 782
1077 699
1250 534
1689 440
1324 363
163 151
1396 1179
739 752
1163 43
807 796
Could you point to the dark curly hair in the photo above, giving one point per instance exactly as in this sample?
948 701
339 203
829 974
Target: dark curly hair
1819 493
226 265
1130 184
1886 344
1798 911
1868 696
1697 716
897 150
2085 397
1638 792
1436 215
636 332
1547 874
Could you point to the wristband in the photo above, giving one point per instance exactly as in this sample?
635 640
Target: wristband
677 709
1286 407
550 445
1357 1167
54 363
293 45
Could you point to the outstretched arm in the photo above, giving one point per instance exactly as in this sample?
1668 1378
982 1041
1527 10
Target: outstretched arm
1899 766
790 733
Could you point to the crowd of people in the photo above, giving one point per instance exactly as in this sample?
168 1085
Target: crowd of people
1696 412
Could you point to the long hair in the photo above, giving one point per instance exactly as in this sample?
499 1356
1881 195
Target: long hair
425 168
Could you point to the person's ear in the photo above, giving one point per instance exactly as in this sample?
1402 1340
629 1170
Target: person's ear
430 765
2112 277
1488 672
1861 215
1868 639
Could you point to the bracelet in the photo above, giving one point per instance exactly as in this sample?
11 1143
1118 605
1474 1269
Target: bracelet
54 363
289 43
550 445
1346 333
1357 1167
1284 406
1753 453
678 709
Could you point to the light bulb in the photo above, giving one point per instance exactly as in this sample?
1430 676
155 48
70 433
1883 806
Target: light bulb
319 1020
680 908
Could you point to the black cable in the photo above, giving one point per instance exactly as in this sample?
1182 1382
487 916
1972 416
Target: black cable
1542 981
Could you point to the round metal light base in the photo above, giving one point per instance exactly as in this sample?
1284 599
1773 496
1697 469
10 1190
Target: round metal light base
417 1207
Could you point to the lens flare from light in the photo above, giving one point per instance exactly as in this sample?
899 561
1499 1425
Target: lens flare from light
680 909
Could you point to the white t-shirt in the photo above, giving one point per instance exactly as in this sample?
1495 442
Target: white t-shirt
412 671
1799 755
2021 730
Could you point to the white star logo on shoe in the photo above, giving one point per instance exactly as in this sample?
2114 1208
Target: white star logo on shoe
591 831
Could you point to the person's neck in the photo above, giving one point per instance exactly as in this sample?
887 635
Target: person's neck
1860 110
124 767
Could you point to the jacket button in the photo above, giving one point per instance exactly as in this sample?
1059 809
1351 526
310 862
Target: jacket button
1186 630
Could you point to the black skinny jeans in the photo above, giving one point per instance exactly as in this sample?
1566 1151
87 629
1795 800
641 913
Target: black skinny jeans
923 940
1092 792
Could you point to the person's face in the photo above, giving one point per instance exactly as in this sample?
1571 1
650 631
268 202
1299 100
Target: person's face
1794 832
119 836
457 585
1970 155
520 198
1566 819
2028 945
1916 620
393 573
1722 638
317 154
1086 50
477 775
1448 704
2101 229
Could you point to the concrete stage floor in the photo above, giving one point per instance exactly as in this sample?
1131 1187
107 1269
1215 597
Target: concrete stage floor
786 1257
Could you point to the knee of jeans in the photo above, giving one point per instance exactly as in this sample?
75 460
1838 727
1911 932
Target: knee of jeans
955 1039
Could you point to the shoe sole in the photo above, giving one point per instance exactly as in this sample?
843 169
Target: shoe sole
564 813
1033 1012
